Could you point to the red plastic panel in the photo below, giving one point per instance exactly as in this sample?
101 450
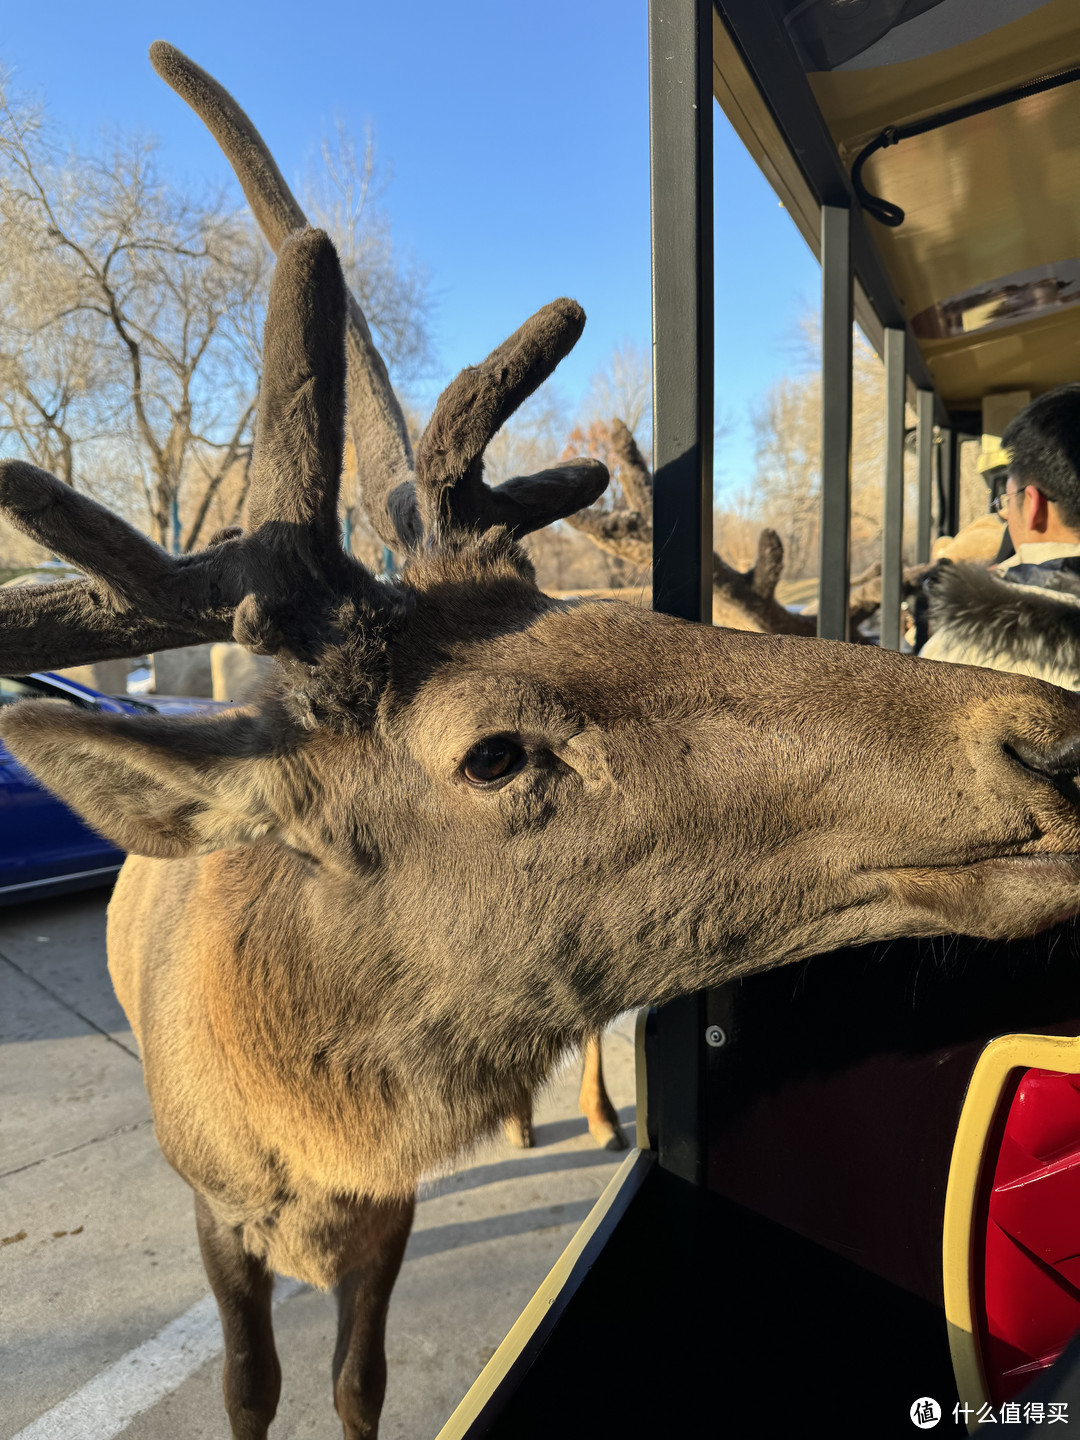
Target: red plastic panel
1031 1270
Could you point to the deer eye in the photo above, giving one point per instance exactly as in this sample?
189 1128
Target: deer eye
492 759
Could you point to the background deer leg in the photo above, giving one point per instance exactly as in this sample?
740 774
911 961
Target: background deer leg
518 1125
594 1103
242 1286
363 1298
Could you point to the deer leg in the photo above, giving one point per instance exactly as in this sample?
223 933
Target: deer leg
242 1286
594 1103
518 1125
363 1298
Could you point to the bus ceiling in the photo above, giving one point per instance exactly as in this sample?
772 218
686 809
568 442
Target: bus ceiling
967 121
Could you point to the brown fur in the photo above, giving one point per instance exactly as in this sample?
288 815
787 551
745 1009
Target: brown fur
374 980
346 964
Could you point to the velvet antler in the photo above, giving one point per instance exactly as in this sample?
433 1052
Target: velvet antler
447 491
469 412
135 597
743 599
751 592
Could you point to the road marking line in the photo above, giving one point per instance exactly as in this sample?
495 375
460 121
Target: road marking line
142 1377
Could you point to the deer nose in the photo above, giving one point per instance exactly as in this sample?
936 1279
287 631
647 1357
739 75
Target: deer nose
1057 761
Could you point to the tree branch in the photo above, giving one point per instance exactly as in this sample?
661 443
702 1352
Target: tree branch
232 451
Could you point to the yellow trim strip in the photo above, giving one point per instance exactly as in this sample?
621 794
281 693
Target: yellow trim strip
641 1081
988 1080
623 1185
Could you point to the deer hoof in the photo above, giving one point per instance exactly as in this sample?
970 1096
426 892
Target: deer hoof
610 1137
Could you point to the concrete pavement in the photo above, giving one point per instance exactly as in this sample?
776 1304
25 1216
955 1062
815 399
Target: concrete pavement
104 1326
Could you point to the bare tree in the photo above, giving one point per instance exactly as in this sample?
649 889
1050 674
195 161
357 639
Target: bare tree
787 428
787 484
342 196
623 386
535 434
51 365
133 298
225 471
50 373
131 319
131 316
737 525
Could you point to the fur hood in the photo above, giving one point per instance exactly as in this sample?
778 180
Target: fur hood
1025 619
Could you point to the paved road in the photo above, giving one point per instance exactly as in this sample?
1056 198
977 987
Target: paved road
103 1296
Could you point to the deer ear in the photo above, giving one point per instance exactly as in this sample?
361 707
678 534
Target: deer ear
153 786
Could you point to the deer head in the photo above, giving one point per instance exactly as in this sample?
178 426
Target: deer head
501 819
457 724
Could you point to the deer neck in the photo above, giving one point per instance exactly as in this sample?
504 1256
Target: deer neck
302 1008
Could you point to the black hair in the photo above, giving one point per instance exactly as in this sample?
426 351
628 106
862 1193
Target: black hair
1043 442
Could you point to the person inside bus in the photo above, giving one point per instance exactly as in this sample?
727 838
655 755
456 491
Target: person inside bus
1023 615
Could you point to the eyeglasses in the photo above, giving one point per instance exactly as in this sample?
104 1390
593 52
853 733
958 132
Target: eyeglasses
1000 503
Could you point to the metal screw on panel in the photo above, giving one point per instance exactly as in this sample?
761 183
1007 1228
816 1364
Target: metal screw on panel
715 1037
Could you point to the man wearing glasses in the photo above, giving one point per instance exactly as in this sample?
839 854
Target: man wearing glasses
1024 614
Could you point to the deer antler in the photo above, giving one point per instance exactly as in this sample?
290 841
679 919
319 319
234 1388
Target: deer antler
135 597
448 491
751 592
748 595
472 408
635 476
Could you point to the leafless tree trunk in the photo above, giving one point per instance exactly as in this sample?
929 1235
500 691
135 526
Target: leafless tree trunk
235 448
131 317
150 285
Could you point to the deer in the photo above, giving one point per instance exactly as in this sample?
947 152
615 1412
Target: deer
465 825
382 445
742 599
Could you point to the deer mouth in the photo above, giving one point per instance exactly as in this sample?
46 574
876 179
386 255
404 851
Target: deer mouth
1054 869
1068 858
1050 867
1003 897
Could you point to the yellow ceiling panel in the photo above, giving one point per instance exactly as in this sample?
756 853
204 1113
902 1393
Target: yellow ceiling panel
857 103
1035 355
986 262
983 198
987 259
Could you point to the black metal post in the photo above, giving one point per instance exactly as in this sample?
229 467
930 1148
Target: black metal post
680 146
925 442
892 538
680 118
945 470
948 483
837 318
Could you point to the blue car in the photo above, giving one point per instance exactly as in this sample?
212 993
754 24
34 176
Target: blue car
45 849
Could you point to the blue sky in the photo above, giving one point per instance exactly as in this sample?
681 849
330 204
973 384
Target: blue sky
518 140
